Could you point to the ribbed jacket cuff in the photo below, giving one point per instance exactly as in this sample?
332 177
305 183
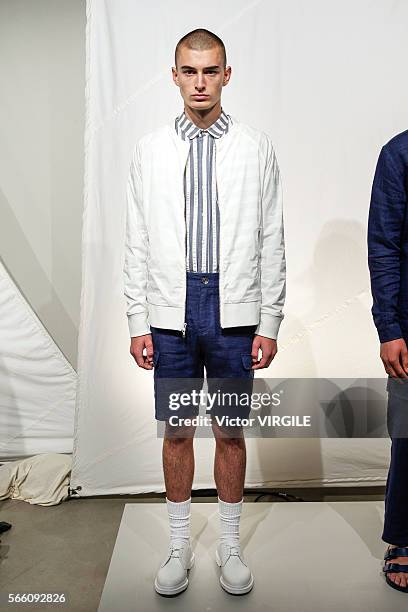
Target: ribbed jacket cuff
269 326
138 324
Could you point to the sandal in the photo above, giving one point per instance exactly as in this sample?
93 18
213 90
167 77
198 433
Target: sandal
392 553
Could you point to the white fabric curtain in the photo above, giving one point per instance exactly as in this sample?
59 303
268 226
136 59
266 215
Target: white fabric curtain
37 383
326 81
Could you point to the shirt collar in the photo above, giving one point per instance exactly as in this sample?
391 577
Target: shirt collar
187 129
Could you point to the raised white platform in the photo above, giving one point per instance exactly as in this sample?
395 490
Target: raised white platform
304 556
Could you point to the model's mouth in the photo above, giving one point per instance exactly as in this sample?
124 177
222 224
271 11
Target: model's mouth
200 96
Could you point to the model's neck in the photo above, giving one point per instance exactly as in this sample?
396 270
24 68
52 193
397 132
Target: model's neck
203 118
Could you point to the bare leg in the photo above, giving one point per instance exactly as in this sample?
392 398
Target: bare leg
178 462
229 464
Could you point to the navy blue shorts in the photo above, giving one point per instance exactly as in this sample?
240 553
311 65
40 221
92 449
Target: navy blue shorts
224 353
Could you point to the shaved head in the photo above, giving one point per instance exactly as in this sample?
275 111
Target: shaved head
201 40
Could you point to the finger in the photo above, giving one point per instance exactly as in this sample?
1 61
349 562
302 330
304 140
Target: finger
405 366
390 371
396 366
255 350
404 360
147 362
134 355
255 353
149 353
140 359
148 365
388 367
261 364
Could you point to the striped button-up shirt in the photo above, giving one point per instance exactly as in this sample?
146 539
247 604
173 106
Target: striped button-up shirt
200 190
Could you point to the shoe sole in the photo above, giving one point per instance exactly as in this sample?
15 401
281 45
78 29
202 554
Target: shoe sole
177 589
233 589
395 586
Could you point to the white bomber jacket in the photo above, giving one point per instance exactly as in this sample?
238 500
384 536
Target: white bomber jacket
252 266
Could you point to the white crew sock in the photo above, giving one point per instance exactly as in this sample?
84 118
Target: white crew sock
229 514
179 519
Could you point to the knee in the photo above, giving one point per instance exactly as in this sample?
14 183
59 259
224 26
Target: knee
179 434
229 436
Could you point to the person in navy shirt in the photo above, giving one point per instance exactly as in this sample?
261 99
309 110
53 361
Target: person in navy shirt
388 265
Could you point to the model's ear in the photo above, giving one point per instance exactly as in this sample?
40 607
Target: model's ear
174 74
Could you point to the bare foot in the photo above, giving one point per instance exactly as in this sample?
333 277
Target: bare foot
400 578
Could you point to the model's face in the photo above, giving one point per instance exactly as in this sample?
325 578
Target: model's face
200 75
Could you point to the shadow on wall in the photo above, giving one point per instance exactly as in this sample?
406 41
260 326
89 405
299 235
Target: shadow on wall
50 310
331 336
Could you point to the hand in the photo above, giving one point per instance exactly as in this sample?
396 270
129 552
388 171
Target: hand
269 349
394 355
137 345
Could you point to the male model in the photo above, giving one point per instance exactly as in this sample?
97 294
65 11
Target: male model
205 285
388 264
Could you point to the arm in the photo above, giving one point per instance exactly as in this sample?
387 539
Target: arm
386 216
136 249
273 263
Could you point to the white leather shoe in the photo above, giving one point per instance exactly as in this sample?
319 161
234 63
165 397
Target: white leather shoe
171 577
236 577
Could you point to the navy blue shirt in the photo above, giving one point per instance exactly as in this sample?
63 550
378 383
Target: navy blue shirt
388 240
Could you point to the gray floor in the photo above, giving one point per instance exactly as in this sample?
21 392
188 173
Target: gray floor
68 549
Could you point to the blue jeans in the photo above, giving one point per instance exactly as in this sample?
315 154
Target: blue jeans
396 491
224 353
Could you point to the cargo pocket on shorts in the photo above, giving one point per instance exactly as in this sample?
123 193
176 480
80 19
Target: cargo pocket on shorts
156 355
247 361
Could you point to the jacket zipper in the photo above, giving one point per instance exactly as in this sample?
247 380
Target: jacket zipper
219 252
183 329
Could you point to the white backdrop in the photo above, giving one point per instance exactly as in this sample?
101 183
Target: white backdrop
326 80
37 383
